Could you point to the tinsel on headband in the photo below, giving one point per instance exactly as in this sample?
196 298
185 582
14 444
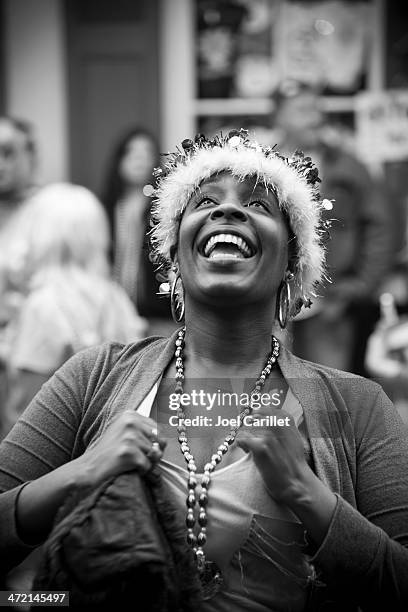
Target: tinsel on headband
294 179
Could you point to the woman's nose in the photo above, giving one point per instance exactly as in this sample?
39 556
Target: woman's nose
229 210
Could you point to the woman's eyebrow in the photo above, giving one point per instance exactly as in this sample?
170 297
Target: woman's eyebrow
265 191
201 190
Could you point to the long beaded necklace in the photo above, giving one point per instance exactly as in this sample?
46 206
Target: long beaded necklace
209 573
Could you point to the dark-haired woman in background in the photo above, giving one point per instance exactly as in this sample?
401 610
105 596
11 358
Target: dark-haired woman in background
127 206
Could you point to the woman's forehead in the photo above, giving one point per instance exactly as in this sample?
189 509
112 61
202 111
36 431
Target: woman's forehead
247 184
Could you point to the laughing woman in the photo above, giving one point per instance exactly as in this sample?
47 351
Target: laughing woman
290 479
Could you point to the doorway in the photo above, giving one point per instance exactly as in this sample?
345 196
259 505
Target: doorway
112 50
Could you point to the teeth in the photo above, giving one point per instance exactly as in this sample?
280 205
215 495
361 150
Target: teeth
227 238
215 255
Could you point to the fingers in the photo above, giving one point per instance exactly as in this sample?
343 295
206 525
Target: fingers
136 441
267 436
155 453
133 421
263 423
258 446
137 452
264 455
136 460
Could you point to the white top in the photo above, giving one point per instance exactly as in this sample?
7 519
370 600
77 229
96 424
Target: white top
256 542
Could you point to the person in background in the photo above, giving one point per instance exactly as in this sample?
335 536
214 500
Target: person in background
127 206
60 241
17 165
386 356
335 329
387 353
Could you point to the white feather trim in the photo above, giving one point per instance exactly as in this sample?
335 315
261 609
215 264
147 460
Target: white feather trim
296 197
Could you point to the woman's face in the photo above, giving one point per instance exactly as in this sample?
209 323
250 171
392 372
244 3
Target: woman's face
138 160
233 243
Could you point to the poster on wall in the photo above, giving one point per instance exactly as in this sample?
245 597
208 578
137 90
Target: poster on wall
382 142
382 125
326 43
257 70
235 48
245 48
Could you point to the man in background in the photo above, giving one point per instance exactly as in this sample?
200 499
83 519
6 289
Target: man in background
335 329
17 163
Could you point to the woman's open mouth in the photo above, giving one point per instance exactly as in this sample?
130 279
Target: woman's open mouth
227 246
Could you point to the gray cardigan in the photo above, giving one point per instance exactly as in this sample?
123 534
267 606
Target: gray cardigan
359 448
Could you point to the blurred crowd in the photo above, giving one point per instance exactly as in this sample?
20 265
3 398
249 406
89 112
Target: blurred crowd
75 268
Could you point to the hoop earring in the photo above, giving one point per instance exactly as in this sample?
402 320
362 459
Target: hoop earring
176 301
283 303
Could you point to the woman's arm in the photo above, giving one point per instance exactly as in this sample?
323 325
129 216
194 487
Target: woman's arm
41 441
38 501
123 447
367 549
23 386
364 552
279 455
40 450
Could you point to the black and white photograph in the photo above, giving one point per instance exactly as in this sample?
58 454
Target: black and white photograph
204 305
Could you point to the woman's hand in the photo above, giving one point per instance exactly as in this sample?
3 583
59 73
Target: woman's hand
279 456
130 442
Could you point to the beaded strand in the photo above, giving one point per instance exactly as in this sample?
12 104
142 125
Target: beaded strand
197 542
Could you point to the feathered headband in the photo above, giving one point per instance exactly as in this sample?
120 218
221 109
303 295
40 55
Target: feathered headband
294 180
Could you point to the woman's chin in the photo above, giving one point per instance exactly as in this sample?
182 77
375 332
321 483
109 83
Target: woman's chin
225 292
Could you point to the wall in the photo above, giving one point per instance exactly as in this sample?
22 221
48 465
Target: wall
35 78
177 88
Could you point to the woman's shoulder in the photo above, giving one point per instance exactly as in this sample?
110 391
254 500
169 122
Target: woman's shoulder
124 353
100 371
324 371
352 387
336 398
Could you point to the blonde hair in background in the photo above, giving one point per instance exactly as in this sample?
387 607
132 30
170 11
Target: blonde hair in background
62 226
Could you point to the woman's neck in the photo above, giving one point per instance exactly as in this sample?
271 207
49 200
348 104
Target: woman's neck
228 341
